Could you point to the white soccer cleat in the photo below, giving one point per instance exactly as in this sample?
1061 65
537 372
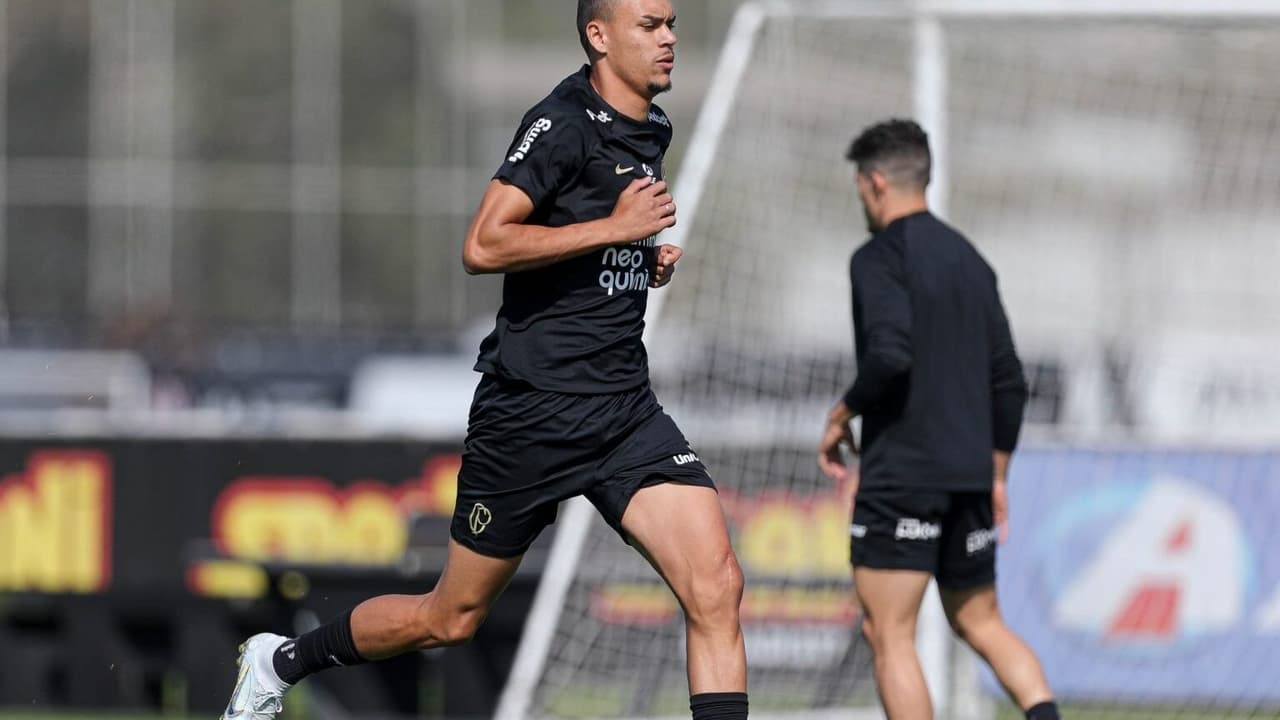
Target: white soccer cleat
259 690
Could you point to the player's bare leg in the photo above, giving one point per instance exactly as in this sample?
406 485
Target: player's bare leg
681 530
380 627
891 603
975 616
388 625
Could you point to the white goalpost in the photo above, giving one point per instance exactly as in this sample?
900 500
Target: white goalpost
1030 106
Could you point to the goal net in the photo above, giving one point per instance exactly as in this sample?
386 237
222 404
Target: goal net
1120 168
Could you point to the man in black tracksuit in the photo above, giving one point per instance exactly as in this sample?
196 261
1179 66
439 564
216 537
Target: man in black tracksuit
940 392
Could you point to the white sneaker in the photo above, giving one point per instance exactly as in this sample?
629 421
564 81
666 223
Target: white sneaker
258 690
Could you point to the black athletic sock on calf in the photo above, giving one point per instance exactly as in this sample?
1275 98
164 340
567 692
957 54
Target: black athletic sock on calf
719 706
1047 710
330 645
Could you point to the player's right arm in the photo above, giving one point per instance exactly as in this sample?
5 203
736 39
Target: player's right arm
1008 399
500 241
880 288
547 153
1008 385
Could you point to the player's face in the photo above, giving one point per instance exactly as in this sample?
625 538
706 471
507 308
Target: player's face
642 42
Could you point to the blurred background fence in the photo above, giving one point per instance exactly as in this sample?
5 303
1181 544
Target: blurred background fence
253 196
235 331
236 338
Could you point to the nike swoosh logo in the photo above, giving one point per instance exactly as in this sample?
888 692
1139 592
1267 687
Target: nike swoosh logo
618 169
236 694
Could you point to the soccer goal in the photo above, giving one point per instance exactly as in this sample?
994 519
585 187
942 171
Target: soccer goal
1115 160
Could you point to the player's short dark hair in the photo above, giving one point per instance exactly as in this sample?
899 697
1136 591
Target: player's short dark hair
898 148
589 10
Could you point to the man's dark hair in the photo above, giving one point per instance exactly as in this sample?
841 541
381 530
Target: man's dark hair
589 10
897 148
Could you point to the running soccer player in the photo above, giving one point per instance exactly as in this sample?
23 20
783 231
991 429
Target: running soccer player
564 406
940 391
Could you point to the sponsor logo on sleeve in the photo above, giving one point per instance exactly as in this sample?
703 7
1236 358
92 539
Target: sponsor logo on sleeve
539 126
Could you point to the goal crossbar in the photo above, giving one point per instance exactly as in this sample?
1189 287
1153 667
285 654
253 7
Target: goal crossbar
1112 9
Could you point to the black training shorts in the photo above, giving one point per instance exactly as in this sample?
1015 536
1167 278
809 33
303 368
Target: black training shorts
529 449
947 534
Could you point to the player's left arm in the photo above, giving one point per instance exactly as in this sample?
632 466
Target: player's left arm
666 257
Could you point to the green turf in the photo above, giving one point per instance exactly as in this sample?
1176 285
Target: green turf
13 714
295 709
584 705
1130 712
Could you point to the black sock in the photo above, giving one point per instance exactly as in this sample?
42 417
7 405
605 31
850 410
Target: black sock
329 645
1047 710
719 706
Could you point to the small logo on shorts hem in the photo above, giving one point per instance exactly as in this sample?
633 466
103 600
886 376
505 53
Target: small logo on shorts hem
858 531
979 540
914 529
480 517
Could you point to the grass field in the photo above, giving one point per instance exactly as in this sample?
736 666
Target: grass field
1070 712
1103 712
679 707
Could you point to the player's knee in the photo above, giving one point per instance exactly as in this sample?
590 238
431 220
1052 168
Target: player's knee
437 626
961 625
973 628
974 619
868 628
714 597
459 629
883 636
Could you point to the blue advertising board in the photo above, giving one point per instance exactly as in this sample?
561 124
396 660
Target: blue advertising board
1147 575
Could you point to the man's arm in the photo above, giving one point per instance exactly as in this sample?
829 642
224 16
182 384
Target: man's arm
664 265
1008 386
1008 399
881 291
1000 492
499 241
837 433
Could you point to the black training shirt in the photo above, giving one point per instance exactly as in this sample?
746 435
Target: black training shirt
575 326
939 384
